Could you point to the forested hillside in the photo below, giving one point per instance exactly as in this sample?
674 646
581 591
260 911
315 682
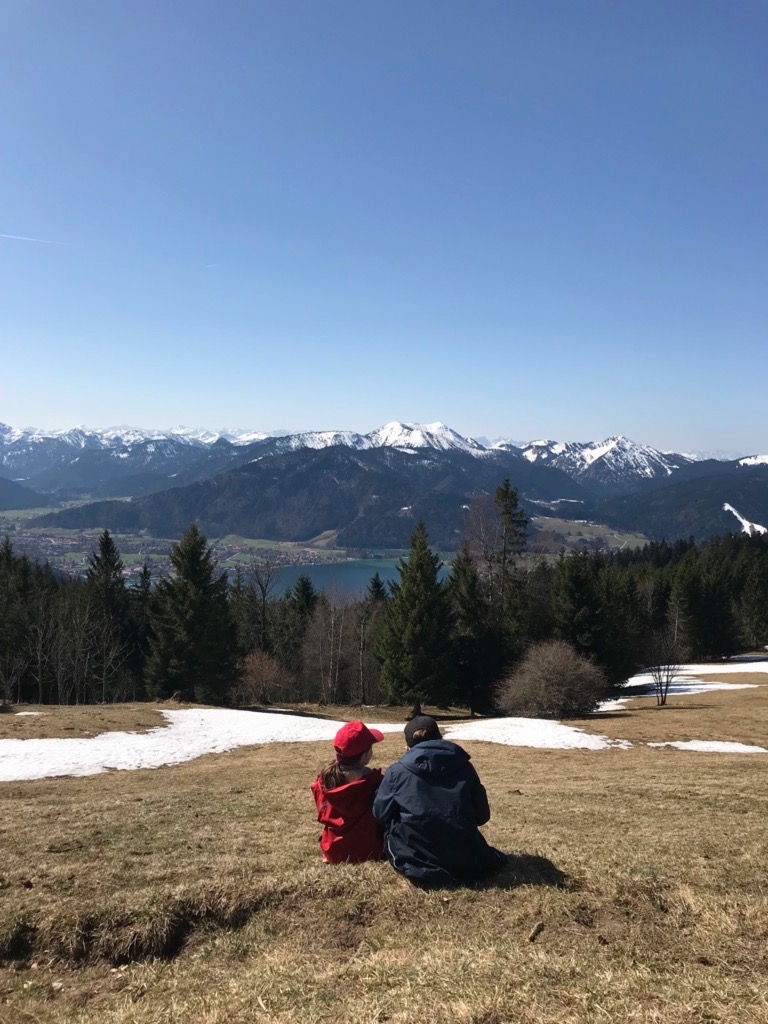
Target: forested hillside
195 633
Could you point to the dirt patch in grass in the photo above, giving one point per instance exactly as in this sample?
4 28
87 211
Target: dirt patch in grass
196 893
39 721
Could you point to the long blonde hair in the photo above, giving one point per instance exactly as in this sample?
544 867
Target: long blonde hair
334 775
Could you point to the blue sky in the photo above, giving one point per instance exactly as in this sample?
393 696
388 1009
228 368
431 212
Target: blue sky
522 218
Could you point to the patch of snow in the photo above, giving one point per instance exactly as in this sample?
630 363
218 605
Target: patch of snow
28 714
598 451
688 683
532 732
189 734
754 460
746 526
712 746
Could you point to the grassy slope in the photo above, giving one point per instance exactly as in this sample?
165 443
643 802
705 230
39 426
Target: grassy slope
56 720
662 916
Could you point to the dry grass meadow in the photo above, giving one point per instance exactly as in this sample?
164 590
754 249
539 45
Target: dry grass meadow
62 721
194 893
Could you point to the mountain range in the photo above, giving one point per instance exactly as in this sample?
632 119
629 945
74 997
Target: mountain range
366 488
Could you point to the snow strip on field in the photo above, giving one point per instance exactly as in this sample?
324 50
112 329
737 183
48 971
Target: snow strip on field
688 681
189 734
712 746
197 731
532 732
28 714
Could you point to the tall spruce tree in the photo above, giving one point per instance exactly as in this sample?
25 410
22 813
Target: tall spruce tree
193 643
753 605
376 590
514 537
105 579
110 629
478 646
139 602
580 614
414 644
303 596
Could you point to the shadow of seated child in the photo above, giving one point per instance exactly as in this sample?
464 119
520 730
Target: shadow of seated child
518 869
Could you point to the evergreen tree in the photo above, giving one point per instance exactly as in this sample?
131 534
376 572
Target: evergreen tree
580 614
105 579
514 536
110 630
376 590
303 596
193 644
685 601
244 606
414 646
539 614
139 600
478 646
717 625
753 606
368 619
14 657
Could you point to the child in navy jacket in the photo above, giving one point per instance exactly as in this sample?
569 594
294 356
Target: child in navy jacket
430 805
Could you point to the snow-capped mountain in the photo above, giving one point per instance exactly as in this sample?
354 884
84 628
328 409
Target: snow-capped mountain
121 461
706 454
615 462
412 436
406 437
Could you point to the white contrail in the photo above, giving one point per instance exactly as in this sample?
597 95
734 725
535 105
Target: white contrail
23 238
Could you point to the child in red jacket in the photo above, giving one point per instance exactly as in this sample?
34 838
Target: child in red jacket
344 793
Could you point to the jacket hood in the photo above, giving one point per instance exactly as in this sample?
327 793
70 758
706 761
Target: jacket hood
351 799
435 759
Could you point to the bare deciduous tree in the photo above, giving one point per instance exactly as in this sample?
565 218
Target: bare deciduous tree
264 574
263 680
13 664
666 655
325 655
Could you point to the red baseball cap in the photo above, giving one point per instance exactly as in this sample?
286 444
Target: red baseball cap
355 738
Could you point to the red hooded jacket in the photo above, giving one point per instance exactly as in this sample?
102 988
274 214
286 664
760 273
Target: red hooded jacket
351 834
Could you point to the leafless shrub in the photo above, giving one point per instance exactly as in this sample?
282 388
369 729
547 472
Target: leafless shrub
552 681
263 680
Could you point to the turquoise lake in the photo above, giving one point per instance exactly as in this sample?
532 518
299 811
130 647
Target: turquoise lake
351 577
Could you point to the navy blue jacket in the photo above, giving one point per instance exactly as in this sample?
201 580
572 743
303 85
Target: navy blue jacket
430 805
